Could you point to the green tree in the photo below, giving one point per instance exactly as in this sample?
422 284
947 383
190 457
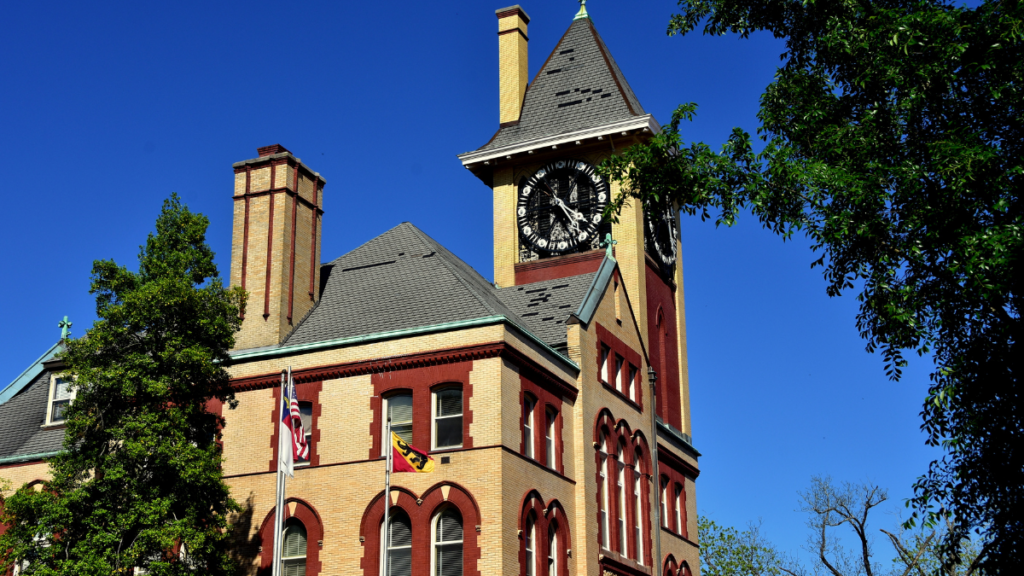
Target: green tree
139 483
893 137
725 551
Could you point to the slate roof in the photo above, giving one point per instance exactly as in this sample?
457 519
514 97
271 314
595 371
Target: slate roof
546 305
580 86
401 279
22 417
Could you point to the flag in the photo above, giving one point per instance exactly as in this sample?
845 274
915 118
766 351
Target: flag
291 437
405 458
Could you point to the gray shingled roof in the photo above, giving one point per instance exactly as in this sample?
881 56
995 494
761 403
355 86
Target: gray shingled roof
22 416
401 279
579 87
546 305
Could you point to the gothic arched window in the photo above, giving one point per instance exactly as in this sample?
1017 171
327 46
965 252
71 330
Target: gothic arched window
448 543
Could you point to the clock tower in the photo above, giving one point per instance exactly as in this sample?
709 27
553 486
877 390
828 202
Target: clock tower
548 199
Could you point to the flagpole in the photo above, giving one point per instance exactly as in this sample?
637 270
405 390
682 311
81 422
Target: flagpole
279 495
387 500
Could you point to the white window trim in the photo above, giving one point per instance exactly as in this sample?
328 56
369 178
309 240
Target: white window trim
293 559
622 502
633 372
679 512
309 435
433 539
529 407
605 353
384 543
638 518
620 363
550 440
385 441
605 488
49 400
434 417
530 535
552 549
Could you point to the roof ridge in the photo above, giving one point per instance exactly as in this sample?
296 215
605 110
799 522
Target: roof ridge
620 79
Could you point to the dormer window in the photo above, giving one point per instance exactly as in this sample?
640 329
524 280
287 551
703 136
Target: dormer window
61 396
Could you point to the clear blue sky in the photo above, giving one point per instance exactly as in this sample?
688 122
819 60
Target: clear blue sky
107 110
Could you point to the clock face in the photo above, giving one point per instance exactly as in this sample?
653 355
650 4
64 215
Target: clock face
560 206
661 233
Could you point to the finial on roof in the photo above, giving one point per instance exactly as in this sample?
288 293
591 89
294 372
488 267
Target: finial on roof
608 242
65 328
583 11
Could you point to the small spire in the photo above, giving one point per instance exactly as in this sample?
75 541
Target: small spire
583 11
65 328
608 242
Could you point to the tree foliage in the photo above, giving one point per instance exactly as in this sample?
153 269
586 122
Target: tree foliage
725 551
138 483
893 137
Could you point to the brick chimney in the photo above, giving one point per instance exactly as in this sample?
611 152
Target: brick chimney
512 61
275 246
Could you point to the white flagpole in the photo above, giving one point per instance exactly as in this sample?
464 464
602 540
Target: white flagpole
387 500
279 501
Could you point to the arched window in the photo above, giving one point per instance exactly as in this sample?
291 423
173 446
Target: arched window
638 508
293 549
604 488
398 407
529 535
447 418
399 544
620 501
448 543
664 502
553 551
528 405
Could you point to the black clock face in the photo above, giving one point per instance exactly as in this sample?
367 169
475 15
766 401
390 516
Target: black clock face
559 208
660 233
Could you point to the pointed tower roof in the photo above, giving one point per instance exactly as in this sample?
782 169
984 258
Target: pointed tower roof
579 92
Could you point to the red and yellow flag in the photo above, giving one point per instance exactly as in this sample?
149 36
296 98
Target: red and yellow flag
405 458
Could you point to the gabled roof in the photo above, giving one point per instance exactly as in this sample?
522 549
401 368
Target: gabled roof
29 375
579 87
22 415
399 280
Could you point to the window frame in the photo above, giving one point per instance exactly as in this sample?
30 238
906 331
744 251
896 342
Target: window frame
553 548
621 500
620 363
530 544
50 399
292 523
678 507
605 488
602 366
434 417
529 426
308 432
385 444
384 541
638 516
551 437
434 543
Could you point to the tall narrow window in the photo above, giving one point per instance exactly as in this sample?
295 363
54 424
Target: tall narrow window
399 409
448 543
618 373
399 544
679 509
553 549
528 405
549 437
448 418
529 535
604 363
293 550
664 502
60 399
306 411
638 509
620 502
605 536
632 383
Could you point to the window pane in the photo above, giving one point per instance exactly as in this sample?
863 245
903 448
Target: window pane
448 561
294 541
58 410
400 545
294 568
618 373
449 402
400 562
61 389
448 544
401 533
400 408
632 382
449 527
306 411
449 431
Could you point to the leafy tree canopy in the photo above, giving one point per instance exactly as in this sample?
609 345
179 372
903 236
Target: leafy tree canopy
138 483
893 138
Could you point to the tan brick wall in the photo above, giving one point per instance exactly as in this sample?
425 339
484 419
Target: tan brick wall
20 475
260 179
629 252
506 234
684 362
513 67
345 413
247 444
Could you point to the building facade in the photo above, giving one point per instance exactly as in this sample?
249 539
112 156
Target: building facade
555 455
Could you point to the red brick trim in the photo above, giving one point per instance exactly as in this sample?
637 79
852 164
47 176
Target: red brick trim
421 513
614 565
544 398
310 518
396 363
245 233
286 191
516 29
544 515
677 464
421 382
632 358
304 392
291 161
512 12
670 565
270 250
558 267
